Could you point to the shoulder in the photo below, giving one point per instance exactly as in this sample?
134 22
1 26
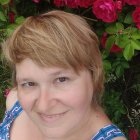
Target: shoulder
11 98
120 138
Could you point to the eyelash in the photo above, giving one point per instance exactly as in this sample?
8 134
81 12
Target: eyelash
28 84
62 79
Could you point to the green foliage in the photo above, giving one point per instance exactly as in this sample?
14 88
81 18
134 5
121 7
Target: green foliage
128 19
128 51
122 69
6 27
2 16
122 40
110 41
3 2
128 39
114 106
114 28
5 83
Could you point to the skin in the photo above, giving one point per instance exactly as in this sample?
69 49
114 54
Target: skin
56 103
57 100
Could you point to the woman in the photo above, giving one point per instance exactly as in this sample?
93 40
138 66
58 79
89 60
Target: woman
59 82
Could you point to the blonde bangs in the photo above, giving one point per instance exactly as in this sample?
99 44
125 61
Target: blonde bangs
51 42
57 39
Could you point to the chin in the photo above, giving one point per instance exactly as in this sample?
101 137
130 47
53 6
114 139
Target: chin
53 133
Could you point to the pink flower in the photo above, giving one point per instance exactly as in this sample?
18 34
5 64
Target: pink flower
133 134
103 39
11 17
85 3
105 10
138 25
114 48
69 3
59 3
72 3
119 5
6 92
36 1
136 17
132 2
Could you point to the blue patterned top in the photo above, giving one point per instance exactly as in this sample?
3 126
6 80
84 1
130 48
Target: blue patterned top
106 133
9 118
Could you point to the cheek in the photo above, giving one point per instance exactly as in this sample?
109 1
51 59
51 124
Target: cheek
85 93
26 101
80 98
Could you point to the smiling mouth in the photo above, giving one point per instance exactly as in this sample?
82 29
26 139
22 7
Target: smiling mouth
53 117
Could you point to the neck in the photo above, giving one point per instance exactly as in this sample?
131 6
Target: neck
95 119
84 131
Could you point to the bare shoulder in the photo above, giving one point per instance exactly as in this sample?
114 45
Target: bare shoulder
120 138
11 99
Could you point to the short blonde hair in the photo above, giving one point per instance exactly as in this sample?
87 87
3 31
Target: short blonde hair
59 39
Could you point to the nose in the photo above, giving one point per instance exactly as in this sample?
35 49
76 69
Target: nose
46 100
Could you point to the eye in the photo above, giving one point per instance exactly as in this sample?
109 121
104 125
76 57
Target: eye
28 84
62 79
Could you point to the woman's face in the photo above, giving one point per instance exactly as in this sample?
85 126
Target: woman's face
57 100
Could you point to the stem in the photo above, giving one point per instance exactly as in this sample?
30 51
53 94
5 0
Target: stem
94 20
86 11
127 83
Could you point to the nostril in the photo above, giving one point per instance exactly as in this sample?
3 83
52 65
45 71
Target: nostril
46 102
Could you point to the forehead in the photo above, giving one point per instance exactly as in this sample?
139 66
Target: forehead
48 64
28 68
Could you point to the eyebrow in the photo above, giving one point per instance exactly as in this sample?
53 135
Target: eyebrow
23 79
19 79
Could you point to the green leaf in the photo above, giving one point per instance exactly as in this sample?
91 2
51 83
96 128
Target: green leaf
130 30
2 24
119 71
110 41
115 63
136 35
2 16
105 54
11 28
125 64
111 29
121 17
122 41
123 110
117 115
128 19
135 44
119 26
19 20
3 2
107 65
128 52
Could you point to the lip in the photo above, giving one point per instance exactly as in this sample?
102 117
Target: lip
52 117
